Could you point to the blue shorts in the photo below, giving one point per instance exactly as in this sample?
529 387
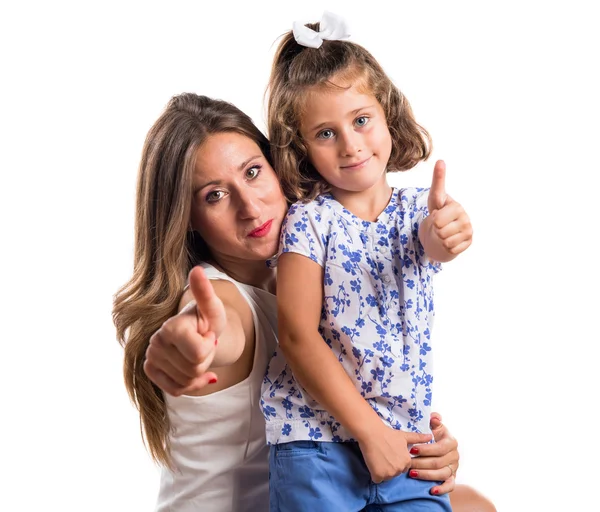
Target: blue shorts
310 476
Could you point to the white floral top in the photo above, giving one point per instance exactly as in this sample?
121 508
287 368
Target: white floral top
376 317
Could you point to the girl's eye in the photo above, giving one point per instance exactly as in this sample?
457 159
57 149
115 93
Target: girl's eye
253 172
325 134
214 196
361 121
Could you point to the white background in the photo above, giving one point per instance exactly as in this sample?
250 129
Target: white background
509 92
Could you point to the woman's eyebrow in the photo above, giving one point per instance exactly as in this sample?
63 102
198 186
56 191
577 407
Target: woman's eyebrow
248 160
208 183
241 167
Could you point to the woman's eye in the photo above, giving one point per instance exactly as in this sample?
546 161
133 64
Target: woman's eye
214 196
253 172
325 134
361 121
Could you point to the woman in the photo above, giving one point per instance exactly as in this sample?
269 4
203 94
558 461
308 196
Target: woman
210 205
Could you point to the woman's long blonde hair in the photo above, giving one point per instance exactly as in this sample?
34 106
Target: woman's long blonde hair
165 247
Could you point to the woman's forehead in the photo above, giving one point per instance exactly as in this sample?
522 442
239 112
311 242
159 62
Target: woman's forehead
225 152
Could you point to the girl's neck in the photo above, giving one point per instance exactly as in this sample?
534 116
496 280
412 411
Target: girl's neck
366 204
254 273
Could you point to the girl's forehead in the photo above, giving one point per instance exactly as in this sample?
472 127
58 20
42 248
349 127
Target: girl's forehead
325 102
357 83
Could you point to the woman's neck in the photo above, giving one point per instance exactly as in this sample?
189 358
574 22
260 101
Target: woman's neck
255 273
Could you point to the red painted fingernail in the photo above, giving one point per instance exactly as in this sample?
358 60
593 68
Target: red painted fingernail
414 450
212 381
413 473
436 491
216 341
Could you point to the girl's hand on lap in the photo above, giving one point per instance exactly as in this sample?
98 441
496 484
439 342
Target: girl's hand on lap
386 452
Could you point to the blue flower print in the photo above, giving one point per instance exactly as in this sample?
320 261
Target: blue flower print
378 374
300 226
367 387
306 412
371 301
378 328
287 404
315 433
327 279
387 361
349 267
291 238
427 400
269 411
354 285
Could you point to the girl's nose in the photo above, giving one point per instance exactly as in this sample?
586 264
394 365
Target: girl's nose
349 144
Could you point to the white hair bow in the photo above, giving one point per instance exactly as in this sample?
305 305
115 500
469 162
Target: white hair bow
332 28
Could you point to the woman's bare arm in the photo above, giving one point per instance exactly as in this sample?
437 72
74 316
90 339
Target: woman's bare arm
210 331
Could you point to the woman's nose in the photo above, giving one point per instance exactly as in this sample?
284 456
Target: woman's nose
249 206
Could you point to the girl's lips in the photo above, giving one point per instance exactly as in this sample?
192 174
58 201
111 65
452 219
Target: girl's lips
261 231
357 165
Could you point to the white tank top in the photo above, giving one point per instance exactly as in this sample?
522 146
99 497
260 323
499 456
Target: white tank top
218 444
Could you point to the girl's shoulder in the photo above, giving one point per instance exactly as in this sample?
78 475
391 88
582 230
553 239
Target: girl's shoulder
412 194
412 199
321 205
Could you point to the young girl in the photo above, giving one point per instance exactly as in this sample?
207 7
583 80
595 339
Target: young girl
349 392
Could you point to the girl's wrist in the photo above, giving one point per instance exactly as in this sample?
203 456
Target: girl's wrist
367 427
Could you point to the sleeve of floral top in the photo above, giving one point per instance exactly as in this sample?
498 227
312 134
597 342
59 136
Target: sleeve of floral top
415 201
301 232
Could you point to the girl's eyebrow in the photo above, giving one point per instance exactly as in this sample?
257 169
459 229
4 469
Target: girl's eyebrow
353 113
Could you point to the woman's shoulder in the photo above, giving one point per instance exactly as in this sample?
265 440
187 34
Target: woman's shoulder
213 272
225 287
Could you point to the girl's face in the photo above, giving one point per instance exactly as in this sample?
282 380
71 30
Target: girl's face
347 138
238 205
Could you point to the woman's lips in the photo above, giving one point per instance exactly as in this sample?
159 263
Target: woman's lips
261 231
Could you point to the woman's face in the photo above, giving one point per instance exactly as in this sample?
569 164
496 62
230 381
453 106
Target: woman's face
238 205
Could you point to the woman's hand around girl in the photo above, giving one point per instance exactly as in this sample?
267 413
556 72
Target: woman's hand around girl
437 461
182 350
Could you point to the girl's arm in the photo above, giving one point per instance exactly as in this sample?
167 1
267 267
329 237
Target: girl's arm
447 230
299 300
211 330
